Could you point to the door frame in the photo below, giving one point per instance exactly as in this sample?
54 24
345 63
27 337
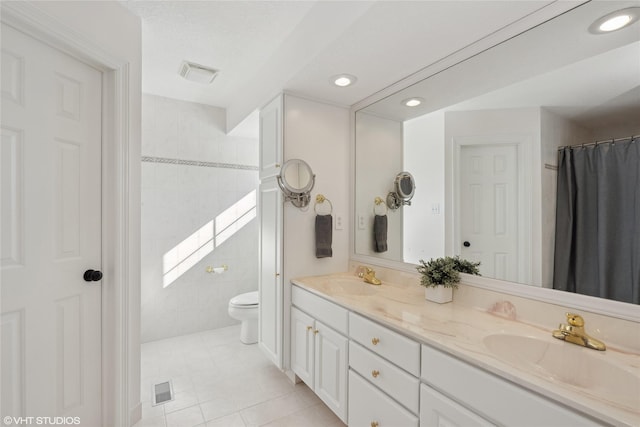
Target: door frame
522 142
117 286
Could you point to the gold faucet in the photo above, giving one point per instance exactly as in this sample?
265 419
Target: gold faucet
369 276
574 333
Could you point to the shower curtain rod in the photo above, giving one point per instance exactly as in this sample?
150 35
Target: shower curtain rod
612 140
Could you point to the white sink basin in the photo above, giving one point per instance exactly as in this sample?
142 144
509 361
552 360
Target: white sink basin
590 370
349 286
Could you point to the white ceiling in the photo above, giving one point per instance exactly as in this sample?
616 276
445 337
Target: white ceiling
264 47
593 80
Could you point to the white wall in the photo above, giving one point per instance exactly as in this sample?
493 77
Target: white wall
179 199
378 143
318 134
115 30
424 158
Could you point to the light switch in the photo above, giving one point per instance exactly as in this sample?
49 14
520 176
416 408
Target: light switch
435 209
339 222
361 222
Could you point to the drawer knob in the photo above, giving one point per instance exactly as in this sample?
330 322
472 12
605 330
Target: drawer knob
375 341
309 328
316 332
375 373
374 424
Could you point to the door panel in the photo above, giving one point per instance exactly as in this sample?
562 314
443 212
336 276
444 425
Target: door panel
302 346
51 196
270 278
489 209
331 358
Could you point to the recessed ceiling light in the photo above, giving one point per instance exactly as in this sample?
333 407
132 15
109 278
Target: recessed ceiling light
412 102
615 21
343 80
197 73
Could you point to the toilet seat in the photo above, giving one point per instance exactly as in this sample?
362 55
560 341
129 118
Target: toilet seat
247 300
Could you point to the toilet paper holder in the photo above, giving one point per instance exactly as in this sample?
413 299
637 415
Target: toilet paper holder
217 270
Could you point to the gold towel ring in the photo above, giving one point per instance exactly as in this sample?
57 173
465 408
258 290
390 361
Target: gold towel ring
377 202
320 199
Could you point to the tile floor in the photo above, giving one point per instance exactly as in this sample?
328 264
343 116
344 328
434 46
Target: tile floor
220 382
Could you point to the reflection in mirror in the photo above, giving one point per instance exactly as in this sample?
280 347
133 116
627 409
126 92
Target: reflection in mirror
404 186
296 180
485 154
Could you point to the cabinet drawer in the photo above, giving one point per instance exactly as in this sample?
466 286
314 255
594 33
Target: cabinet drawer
486 394
329 313
392 380
439 410
368 405
392 346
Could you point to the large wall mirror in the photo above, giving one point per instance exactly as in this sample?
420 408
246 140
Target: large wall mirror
482 145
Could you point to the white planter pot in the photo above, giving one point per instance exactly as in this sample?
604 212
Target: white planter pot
438 294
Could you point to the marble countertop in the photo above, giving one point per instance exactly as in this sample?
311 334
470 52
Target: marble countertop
461 331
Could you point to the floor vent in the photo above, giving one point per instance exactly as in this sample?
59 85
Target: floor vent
162 393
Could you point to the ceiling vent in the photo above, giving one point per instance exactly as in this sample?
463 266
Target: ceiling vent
197 73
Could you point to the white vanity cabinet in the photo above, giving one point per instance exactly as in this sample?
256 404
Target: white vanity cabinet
483 399
383 369
319 348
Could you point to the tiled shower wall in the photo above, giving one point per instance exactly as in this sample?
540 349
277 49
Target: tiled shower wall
192 172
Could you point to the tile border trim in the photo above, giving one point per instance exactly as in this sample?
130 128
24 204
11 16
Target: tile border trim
170 161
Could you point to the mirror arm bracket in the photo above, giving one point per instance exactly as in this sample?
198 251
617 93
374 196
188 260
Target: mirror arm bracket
394 201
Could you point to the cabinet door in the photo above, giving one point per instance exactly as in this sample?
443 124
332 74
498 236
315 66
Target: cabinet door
331 357
271 139
270 277
302 346
437 410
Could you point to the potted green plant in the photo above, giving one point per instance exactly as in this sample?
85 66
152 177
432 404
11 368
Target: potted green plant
440 276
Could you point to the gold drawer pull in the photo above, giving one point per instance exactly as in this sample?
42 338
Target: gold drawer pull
316 332
374 424
375 373
375 341
309 328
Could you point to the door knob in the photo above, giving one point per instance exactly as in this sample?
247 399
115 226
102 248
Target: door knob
466 244
92 275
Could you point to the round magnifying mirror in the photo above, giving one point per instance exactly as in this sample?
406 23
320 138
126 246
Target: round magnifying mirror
405 185
296 176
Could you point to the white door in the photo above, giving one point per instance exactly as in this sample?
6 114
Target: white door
271 138
302 344
50 165
489 209
270 278
330 377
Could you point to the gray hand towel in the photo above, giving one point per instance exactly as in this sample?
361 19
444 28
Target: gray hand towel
380 233
324 227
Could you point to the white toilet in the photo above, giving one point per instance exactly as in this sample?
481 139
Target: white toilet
244 307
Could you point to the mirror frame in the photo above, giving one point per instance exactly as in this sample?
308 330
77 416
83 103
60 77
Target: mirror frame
610 308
